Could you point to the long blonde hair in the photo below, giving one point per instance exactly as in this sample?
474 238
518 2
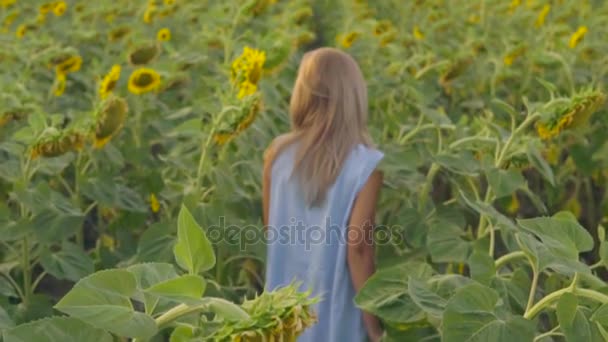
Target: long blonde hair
328 118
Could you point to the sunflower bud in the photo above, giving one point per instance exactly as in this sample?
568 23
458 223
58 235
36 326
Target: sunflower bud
144 54
110 120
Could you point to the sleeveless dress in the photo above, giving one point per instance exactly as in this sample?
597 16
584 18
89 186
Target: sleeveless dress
308 245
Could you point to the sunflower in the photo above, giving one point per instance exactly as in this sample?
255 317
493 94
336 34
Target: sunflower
118 33
71 64
163 35
108 83
513 55
58 144
149 14
247 70
418 35
246 88
382 26
513 5
244 118
59 8
577 36
45 8
109 120
144 80
40 19
154 204
573 115
144 54
22 30
302 14
540 20
6 3
59 86
347 40
169 2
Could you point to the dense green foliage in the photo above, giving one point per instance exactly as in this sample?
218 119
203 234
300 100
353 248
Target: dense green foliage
113 113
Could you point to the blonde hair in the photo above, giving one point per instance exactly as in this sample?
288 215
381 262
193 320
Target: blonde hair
328 111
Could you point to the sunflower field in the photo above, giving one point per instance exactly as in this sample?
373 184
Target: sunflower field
131 141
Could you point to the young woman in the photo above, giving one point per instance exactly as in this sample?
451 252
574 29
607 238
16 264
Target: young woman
320 189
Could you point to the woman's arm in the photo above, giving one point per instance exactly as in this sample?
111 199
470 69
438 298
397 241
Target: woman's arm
360 252
268 159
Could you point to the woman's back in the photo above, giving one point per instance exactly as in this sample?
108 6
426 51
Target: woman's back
308 243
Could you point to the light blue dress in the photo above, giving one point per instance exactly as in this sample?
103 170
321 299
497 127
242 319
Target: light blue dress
308 244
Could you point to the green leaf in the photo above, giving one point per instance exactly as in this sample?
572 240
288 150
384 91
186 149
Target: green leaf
579 329
156 244
566 309
148 275
561 232
5 320
103 300
489 211
545 256
181 289
385 293
601 315
540 164
425 298
182 333
446 244
70 263
225 309
470 316
64 329
463 163
482 267
504 182
193 251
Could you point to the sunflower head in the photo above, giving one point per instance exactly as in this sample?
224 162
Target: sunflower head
45 8
59 86
382 26
109 81
144 54
118 33
574 114
22 30
282 314
59 8
55 143
149 14
71 64
302 14
144 80
577 36
163 35
169 2
346 40
109 120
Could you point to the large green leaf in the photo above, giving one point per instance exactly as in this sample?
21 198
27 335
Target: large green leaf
560 230
182 289
566 309
489 211
425 298
148 275
471 316
385 294
578 329
103 300
540 164
70 263
556 242
193 251
5 320
54 329
482 267
504 182
446 244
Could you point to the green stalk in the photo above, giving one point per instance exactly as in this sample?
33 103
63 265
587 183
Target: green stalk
505 259
532 287
175 313
27 272
552 332
426 188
